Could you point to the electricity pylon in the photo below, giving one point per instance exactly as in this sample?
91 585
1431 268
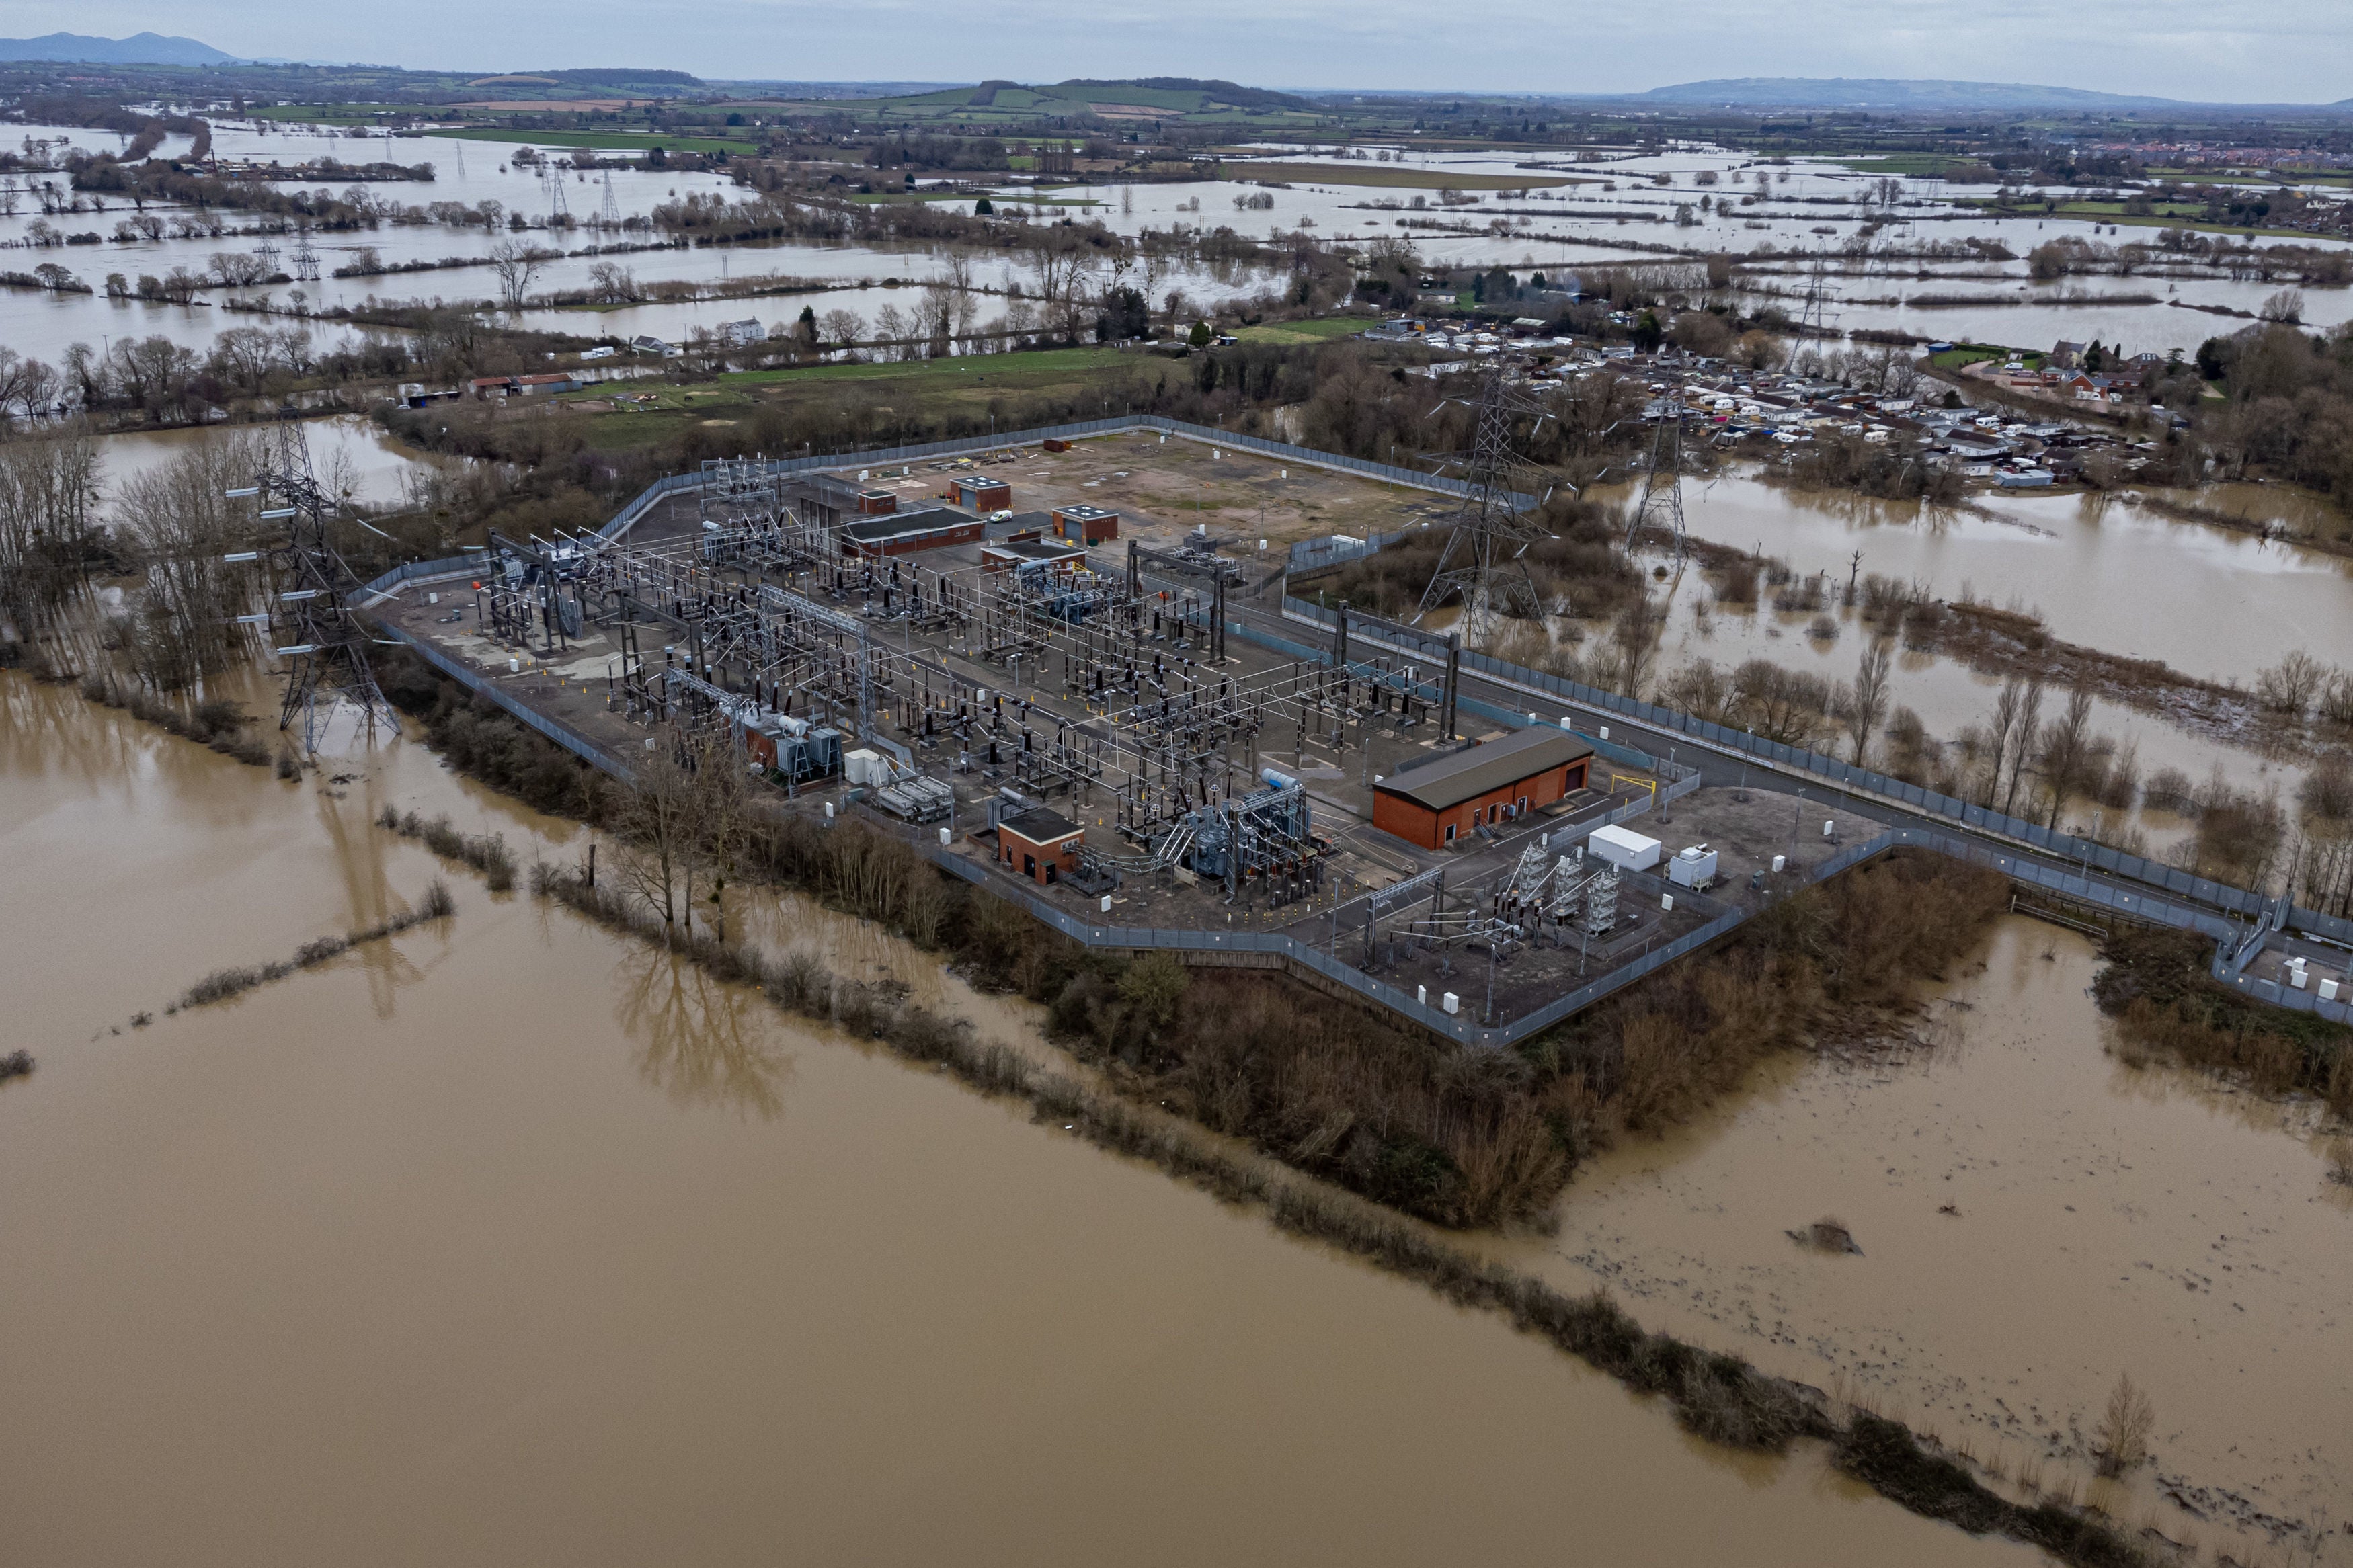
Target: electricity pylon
1486 549
1662 486
310 620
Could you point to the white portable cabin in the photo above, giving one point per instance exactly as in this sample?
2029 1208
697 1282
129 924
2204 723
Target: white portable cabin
1626 850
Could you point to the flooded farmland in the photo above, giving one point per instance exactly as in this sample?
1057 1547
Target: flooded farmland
508 1241
2035 1217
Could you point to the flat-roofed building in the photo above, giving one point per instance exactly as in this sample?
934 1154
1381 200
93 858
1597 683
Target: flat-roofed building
980 492
1086 525
1447 798
906 532
822 499
1040 844
1019 554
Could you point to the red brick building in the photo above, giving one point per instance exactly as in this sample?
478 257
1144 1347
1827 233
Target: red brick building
1086 525
980 492
1440 801
904 533
1042 845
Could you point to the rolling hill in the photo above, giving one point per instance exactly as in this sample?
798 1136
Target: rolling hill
140 48
1885 92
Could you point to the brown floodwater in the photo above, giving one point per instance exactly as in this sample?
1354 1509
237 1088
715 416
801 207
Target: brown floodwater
509 1241
2102 1220
2102 571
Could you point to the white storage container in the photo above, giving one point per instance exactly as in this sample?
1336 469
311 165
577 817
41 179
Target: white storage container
1626 850
1692 867
864 767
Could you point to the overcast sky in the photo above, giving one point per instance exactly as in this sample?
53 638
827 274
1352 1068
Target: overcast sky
2213 50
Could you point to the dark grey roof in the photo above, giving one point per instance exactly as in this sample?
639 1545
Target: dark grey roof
1465 775
899 525
1037 549
1040 825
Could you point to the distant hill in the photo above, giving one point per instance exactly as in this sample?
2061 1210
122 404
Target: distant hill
1147 98
1208 91
140 48
1883 92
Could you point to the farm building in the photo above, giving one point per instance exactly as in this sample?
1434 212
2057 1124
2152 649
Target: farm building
1436 802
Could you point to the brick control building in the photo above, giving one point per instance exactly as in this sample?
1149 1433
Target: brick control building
906 532
1086 525
1440 801
980 492
1042 845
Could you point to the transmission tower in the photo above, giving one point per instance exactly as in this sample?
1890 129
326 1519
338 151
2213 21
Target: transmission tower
550 175
310 619
1662 486
1485 558
306 259
267 252
1813 314
612 213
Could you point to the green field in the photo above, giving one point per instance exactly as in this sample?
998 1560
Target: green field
2170 217
614 141
1321 330
334 113
1973 354
1914 165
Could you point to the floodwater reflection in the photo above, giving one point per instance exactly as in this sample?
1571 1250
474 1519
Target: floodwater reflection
702 1043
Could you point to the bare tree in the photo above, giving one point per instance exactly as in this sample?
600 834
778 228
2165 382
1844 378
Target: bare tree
516 263
2123 1431
655 826
721 822
2067 750
841 328
2030 721
1868 704
2290 686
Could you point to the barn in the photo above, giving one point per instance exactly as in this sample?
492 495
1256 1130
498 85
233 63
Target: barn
1437 801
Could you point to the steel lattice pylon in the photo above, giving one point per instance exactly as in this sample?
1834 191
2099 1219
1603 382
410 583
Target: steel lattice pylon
1813 313
310 617
1485 551
1662 486
612 210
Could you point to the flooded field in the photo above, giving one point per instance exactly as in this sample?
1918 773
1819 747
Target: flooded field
350 453
2035 1218
506 1241
2103 571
